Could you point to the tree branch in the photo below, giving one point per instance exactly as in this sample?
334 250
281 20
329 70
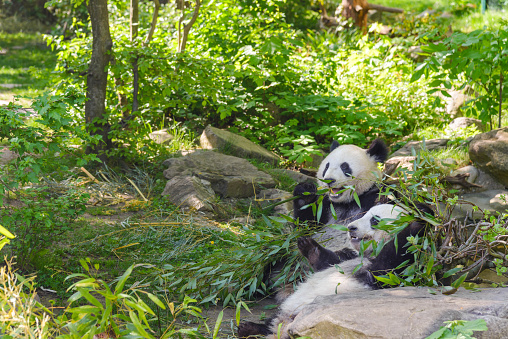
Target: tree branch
154 22
187 27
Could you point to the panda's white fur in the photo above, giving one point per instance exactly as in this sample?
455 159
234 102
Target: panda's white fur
331 280
348 165
362 229
347 171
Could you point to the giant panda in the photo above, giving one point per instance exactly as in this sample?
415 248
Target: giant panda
347 167
328 280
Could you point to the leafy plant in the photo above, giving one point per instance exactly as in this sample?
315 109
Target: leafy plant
477 59
21 316
462 329
40 220
37 143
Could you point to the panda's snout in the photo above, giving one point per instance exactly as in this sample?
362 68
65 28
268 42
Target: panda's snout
352 228
329 181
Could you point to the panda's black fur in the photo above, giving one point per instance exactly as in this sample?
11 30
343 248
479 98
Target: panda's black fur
324 280
346 165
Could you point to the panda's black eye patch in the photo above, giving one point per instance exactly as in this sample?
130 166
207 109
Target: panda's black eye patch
326 168
374 220
346 169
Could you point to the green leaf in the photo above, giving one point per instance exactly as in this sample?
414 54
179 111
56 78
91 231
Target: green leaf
459 281
6 233
123 280
452 272
217 325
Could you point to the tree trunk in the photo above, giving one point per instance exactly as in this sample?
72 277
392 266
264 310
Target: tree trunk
356 10
97 78
134 18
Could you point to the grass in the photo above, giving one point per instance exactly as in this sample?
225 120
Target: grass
27 64
467 14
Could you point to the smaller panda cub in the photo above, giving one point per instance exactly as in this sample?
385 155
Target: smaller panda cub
328 280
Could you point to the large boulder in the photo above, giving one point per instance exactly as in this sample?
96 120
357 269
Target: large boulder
229 176
407 312
489 152
235 145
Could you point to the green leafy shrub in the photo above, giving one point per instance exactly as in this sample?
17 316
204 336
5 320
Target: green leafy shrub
37 144
459 329
478 59
123 311
248 70
40 220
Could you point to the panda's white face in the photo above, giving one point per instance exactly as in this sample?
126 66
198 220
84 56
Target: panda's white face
348 165
363 228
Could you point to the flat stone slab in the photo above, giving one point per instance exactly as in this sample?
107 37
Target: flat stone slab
192 192
235 145
401 313
229 176
430 145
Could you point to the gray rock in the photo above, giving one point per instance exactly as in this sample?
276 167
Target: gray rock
235 145
229 176
463 122
492 200
192 192
161 137
400 313
430 145
6 155
487 182
489 152
455 102
274 195
471 170
403 162
332 239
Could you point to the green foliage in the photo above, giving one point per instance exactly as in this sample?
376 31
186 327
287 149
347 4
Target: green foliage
248 70
477 59
27 65
50 135
123 311
39 221
22 316
459 329
238 273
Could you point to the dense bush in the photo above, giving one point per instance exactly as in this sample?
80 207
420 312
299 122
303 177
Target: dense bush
248 70
39 221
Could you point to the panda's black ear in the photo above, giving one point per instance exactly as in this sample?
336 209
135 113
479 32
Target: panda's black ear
334 145
378 150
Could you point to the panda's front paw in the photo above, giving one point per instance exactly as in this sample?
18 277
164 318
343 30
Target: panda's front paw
307 193
319 257
308 246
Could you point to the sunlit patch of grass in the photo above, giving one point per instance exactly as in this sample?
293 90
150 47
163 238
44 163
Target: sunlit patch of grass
407 6
459 154
26 66
492 19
